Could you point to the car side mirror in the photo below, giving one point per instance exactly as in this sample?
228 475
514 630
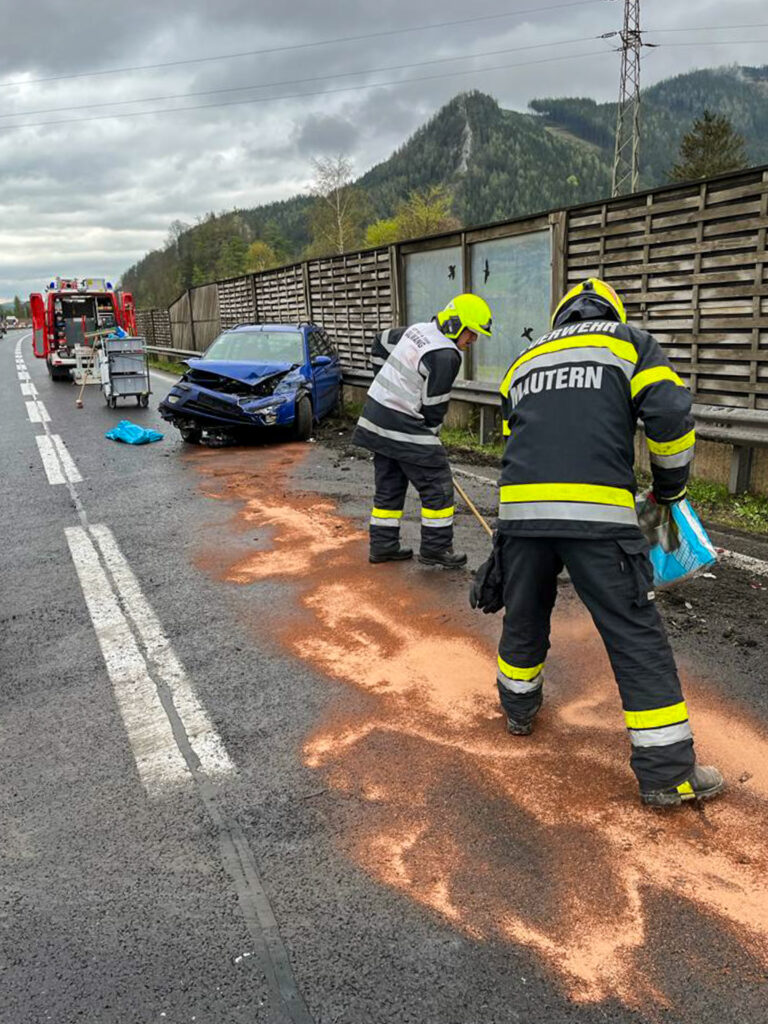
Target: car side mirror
321 360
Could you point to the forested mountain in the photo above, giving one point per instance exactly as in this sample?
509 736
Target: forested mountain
667 112
494 163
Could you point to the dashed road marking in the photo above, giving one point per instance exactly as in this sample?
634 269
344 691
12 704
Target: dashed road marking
68 463
37 412
28 389
141 662
203 738
158 758
58 464
51 463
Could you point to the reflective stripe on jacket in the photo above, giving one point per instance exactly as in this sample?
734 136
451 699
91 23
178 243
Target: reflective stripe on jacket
570 405
409 396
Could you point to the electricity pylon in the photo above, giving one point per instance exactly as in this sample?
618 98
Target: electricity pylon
626 160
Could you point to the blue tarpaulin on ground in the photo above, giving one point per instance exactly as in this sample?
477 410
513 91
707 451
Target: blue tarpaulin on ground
132 433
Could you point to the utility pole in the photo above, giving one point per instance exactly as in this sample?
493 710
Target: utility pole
626 160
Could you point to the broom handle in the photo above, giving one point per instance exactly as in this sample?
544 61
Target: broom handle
465 497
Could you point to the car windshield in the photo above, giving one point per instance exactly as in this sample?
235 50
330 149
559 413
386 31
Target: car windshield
257 347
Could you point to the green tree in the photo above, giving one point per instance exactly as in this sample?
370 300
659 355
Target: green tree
337 215
260 256
425 212
232 257
712 146
18 308
383 232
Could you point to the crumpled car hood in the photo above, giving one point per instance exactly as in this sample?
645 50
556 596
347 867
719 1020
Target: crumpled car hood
248 373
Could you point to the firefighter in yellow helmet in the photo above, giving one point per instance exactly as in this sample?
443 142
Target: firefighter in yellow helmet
404 410
570 404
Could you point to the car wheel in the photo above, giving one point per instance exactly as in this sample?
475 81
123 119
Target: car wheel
302 425
190 435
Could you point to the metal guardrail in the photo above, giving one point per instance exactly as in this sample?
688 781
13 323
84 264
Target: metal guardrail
743 428
181 353
747 428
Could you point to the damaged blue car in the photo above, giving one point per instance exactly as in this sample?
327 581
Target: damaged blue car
255 376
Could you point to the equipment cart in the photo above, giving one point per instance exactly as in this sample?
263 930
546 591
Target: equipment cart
124 370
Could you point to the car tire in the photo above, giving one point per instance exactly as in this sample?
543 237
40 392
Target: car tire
56 374
302 424
190 435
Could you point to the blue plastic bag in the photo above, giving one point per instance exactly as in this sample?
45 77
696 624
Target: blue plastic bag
679 543
132 433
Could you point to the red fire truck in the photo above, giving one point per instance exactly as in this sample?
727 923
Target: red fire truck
71 309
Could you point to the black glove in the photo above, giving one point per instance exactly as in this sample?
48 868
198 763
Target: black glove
486 591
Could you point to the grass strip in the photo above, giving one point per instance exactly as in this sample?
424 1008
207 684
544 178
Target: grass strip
167 365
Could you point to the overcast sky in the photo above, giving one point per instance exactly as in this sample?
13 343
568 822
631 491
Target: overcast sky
91 198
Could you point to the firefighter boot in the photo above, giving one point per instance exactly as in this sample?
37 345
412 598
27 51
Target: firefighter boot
702 784
523 726
446 559
397 554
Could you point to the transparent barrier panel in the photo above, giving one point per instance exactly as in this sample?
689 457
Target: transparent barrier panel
432 279
513 275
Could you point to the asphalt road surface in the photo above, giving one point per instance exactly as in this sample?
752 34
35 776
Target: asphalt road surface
245 776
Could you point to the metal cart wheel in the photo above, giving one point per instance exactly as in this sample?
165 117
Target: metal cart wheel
113 402
144 401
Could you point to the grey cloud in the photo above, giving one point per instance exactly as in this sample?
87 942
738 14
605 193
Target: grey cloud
323 134
124 180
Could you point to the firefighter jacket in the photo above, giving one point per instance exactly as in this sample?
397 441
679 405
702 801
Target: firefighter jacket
409 396
570 405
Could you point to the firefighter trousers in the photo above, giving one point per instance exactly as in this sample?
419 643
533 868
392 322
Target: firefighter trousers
435 486
614 579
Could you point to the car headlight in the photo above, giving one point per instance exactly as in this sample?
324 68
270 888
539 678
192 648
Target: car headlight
172 399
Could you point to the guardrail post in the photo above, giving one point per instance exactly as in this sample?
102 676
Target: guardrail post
741 469
487 423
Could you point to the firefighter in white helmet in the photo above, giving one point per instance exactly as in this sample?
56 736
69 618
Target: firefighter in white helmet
403 413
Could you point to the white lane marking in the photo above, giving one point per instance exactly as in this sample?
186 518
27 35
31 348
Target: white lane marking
51 463
29 389
71 471
203 738
23 375
477 477
158 758
37 412
746 562
58 464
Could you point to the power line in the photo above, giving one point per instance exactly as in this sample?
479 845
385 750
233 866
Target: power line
300 95
707 28
712 42
305 46
301 81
